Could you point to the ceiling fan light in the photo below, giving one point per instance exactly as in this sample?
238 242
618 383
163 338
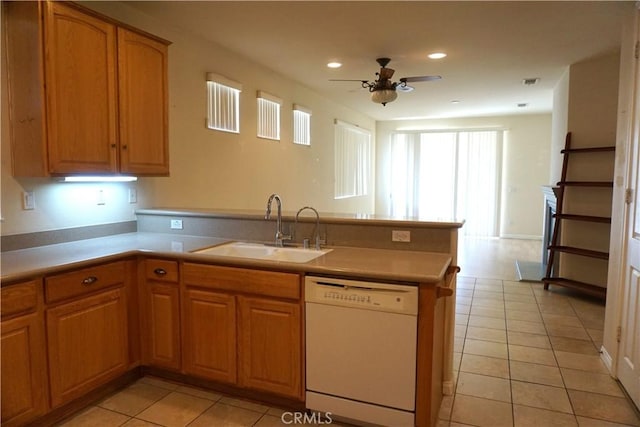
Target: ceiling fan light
382 96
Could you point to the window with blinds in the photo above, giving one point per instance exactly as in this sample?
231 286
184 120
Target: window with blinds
223 107
268 116
301 125
352 160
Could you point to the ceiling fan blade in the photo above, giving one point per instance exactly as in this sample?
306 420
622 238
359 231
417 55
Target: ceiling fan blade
348 80
420 79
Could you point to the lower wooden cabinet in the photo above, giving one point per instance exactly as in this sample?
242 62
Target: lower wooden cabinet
210 335
244 327
23 369
270 345
88 344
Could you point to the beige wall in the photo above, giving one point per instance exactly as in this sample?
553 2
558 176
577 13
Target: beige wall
525 165
208 168
559 126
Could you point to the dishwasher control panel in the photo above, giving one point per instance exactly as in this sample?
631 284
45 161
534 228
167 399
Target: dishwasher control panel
359 294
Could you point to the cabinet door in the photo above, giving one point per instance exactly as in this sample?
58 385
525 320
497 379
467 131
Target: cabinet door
270 346
88 344
162 346
210 335
81 97
143 114
23 370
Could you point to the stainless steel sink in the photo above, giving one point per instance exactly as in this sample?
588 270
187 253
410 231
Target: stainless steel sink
264 252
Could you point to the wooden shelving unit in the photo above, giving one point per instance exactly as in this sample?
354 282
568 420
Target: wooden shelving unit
556 248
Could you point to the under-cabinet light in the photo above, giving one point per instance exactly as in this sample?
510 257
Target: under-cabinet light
94 178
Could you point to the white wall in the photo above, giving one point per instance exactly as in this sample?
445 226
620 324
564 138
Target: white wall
525 165
209 169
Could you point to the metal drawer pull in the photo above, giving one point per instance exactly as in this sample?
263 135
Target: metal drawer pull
160 271
89 280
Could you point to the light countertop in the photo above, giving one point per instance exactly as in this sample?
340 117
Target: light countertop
382 264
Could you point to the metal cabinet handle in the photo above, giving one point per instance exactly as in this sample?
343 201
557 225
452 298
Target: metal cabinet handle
160 271
89 280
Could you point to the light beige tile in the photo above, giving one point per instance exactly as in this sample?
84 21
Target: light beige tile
583 362
460 331
528 340
525 416
528 316
525 298
197 392
134 399
487 334
496 296
445 408
462 300
591 381
158 383
486 348
226 415
487 322
532 355
454 424
525 326
462 319
269 421
521 306
484 365
175 410
572 345
95 416
464 285
556 308
463 309
458 344
541 396
483 386
457 357
603 407
245 404
134 422
534 373
567 331
481 412
597 336
487 303
563 320
489 283
277 412
519 288
591 422
464 292
487 312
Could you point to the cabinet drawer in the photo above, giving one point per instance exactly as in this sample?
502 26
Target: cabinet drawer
161 269
19 298
269 283
87 280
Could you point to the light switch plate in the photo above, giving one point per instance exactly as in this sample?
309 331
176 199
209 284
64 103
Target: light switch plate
28 200
176 224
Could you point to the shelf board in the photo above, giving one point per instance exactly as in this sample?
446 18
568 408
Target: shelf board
588 288
579 251
589 150
585 184
585 218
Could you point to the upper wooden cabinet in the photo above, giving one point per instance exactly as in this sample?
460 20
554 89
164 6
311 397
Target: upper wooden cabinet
87 95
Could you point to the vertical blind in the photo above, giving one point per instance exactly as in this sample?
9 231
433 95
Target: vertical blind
301 125
268 116
448 175
352 160
223 103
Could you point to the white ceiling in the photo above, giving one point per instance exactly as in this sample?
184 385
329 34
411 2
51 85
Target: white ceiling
491 46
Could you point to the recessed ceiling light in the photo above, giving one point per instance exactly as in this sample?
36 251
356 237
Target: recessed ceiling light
522 104
455 101
530 81
437 55
334 65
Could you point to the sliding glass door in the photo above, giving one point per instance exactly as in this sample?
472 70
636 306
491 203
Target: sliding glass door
448 175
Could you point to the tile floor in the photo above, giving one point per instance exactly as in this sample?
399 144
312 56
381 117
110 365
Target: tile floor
523 357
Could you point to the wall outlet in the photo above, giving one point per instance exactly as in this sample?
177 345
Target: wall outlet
100 197
176 224
28 200
401 236
133 195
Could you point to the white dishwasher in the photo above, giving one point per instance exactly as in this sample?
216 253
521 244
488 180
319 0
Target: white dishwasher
361 350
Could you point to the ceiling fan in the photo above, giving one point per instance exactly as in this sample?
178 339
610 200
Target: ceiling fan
383 90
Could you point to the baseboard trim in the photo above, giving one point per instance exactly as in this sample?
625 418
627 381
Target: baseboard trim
608 361
521 236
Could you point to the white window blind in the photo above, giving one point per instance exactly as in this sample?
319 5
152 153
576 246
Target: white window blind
268 116
223 107
448 175
301 125
352 160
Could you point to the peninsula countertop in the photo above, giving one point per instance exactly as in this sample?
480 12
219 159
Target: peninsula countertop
383 264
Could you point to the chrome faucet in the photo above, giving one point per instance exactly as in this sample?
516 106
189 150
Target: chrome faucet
316 230
280 236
